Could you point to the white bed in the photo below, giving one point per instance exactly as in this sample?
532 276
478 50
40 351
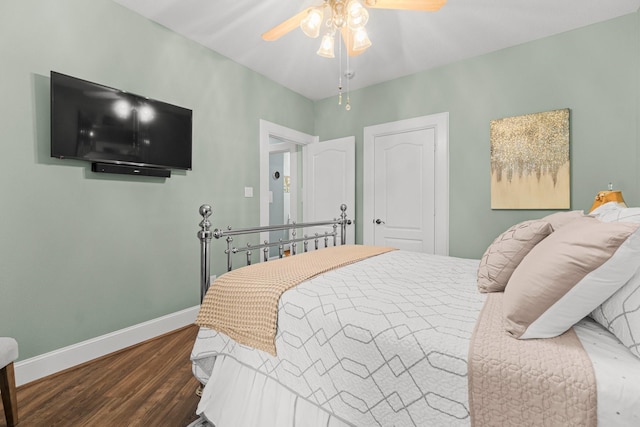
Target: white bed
383 342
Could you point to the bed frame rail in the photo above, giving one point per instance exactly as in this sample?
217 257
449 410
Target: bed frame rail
206 234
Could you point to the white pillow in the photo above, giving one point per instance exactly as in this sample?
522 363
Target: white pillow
606 208
620 314
617 213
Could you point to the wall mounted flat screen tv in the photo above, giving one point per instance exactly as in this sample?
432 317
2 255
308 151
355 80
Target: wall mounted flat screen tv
97 123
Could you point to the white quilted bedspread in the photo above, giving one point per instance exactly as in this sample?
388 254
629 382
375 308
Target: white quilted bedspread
380 342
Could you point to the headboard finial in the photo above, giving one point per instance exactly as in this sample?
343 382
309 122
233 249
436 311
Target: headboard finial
205 211
204 235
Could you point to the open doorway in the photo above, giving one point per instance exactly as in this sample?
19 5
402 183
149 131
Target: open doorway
280 147
280 191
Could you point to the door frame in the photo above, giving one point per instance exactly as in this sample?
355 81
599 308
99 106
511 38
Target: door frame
286 135
440 124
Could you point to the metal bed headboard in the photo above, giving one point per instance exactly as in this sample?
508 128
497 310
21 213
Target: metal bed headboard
205 234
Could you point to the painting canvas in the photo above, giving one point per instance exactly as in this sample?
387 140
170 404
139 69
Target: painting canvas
530 167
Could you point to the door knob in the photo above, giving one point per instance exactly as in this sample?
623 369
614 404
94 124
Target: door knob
379 221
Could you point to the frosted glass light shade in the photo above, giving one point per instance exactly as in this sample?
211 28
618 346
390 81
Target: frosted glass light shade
326 46
358 16
311 23
361 39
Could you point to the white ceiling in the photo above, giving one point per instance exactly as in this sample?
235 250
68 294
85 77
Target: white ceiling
404 42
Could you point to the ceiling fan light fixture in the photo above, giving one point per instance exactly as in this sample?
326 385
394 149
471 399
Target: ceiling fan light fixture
326 46
361 39
311 23
348 19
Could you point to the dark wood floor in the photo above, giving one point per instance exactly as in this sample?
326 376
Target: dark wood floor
149 384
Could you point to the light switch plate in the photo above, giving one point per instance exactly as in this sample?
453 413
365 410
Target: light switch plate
248 191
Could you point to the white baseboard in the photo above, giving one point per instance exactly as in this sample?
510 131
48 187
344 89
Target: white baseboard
64 358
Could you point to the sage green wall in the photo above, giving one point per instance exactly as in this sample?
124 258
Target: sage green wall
593 71
84 254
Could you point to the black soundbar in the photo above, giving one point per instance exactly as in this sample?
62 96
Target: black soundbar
130 170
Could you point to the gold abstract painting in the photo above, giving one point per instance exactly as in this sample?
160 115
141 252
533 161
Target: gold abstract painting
530 167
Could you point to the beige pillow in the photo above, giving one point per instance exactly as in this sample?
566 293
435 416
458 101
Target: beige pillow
568 274
506 252
559 219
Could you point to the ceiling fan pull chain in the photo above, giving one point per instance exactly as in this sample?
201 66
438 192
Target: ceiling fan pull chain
349 72
341 41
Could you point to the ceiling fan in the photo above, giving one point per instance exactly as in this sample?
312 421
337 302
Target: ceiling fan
348 17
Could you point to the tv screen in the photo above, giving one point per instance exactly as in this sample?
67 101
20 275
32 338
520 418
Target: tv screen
97 123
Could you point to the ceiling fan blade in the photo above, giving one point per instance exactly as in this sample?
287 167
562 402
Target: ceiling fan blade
283 28
347 37
427 5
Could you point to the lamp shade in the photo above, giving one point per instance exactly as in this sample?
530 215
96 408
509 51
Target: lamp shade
607 196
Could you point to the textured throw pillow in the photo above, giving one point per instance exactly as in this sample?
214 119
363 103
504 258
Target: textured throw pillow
569 274
559 219
505 253
620 314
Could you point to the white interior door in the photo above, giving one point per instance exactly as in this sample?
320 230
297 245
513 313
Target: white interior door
329 181
406 184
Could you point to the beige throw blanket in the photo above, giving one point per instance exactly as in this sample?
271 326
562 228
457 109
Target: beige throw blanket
540 382
243 303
